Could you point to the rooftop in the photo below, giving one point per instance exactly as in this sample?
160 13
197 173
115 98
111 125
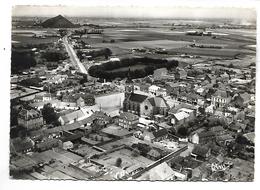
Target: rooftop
137 98
158 102
128 116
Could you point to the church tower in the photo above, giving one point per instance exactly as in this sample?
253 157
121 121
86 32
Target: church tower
129 85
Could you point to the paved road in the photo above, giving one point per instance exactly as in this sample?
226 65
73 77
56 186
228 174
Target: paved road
74 58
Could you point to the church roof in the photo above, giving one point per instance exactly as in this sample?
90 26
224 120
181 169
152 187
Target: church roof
137 98
158 102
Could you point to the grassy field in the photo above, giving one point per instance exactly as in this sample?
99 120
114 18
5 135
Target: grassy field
211 52
132 68
233 41
25 36
22 39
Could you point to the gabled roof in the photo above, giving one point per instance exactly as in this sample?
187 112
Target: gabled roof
137 98
225 137
217 129
181 115
21 144
206 134
154 87
221 93
29 114
246 97
250 136
128 116
160 172
182 105
200 150
160 133
154 153
158 102
73 115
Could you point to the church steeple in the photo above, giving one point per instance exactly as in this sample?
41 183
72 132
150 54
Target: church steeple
129 85
128 78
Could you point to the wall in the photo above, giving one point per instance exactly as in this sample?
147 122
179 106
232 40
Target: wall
111 101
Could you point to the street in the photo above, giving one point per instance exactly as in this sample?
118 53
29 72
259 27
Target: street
74 59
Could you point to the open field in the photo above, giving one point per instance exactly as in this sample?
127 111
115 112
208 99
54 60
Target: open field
28 39
25 36
116 130
233 41
211 52
166 44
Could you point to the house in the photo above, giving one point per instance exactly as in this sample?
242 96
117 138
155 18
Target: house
203 137
148 136
220 98
161 92
181 74
217 150
80 99
209 109
128 120
22 145
160 172
99 120
43 98
153 90
250 137
240 100
237 127
30 118
56 79
201 91
153 155
160 135
210 78
218 130
72 117
160 73
47 144
224 139
175 109
182 116
200 152
67 145
224 77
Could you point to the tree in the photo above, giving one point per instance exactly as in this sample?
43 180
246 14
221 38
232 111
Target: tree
118 162
36 81
49 115
201 110
241 140
183 131
21 61
135 152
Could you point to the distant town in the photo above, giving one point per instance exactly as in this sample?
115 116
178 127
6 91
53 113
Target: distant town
129 99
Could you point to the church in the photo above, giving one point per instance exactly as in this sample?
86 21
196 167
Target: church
143 105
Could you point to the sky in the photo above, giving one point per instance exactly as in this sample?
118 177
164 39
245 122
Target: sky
135 11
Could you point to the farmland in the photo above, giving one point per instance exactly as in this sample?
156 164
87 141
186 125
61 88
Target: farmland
25 36
233 42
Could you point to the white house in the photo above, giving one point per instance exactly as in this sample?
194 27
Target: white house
153 89
72 117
